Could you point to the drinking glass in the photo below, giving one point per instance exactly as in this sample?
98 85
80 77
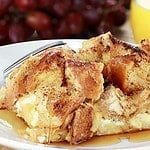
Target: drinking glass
140 19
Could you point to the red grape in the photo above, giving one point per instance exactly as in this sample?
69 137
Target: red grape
102 3
45 3
106 25
59 18
94 2
110 3
78 5
61 29
19 32
91 16
45 34
119 16
3 32
61 7
29 31
4 6
38 20
26 5
127 4
103 27
74 23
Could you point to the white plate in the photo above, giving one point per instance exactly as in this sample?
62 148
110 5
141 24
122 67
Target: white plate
8 55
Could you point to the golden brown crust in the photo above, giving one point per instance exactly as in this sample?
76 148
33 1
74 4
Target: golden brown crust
120 61
104 47
145 46
80 128
129 72
26 78
88 75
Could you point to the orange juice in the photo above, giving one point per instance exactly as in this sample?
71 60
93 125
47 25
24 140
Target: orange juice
140 19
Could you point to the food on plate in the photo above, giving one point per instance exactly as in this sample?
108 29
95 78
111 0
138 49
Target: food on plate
63 95
145 45
124 64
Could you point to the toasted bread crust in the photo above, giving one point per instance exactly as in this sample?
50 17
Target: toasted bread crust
145 46
80 128
119 59
129 73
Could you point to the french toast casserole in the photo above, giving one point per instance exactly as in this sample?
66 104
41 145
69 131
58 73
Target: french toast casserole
62 95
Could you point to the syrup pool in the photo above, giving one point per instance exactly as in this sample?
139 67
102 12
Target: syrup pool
19 126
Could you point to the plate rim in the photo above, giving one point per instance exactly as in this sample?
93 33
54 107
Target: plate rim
9 142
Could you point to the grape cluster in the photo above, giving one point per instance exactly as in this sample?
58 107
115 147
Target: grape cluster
22 20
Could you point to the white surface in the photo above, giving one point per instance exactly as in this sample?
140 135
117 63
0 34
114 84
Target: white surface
144 3
8 55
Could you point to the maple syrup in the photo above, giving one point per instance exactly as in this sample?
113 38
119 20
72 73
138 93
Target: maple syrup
20 126
17 123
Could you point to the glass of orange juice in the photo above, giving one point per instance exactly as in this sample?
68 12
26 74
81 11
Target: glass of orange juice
140 19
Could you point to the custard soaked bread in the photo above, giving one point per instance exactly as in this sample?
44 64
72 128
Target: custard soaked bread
125 65
66 96
47 89
130 72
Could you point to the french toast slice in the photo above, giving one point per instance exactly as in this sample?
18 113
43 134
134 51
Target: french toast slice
46 89
130 72
66 96
80 127
116 112
125 65
104 47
